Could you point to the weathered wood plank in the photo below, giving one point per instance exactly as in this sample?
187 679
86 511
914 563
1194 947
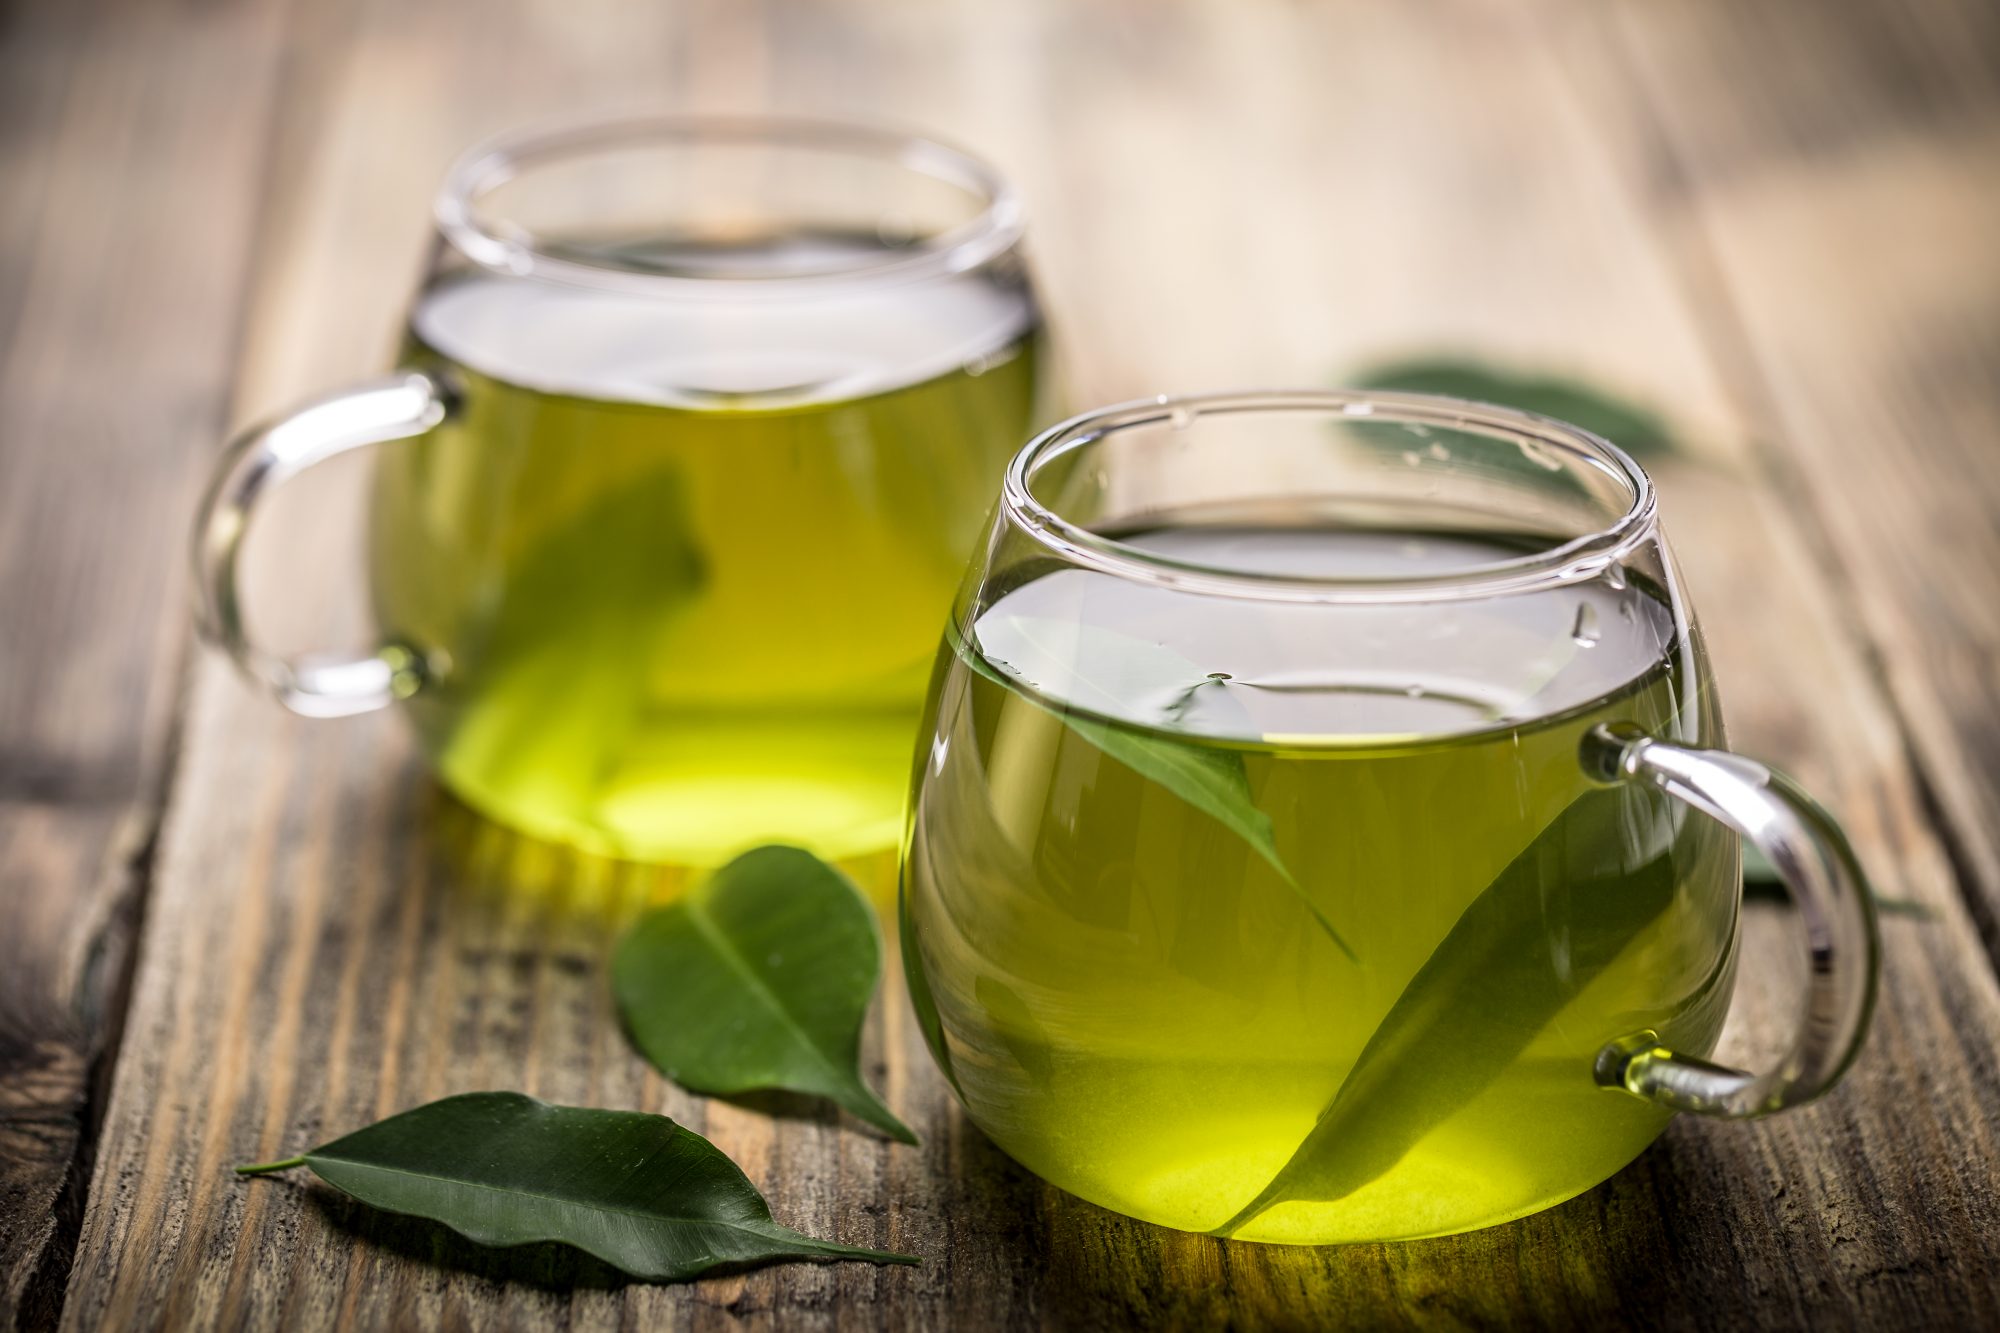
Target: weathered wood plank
1831 175
130 138
1223 194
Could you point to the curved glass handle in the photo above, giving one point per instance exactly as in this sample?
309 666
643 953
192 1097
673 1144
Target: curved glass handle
1811 855
392 408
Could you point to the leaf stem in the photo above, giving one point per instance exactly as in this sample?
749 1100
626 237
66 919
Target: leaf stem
260 1168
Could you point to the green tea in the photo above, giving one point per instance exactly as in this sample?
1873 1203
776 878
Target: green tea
675 567
1301 923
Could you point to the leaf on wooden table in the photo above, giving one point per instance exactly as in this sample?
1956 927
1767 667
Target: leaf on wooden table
1637 430
1762 883
759 979
646 1195
1757 868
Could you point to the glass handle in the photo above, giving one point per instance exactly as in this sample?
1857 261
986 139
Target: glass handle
395 407
1818 868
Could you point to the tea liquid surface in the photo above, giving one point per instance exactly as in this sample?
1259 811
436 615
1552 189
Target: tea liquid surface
678 566
1393 1035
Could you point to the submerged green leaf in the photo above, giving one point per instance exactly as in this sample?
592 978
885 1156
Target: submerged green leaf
1209 778
644 1194
561 692
1478 1001
1638 430
759 979
1212 781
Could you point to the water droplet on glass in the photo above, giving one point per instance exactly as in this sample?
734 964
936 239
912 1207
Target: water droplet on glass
1584 631
1180 418
1412 460
1439 452
1358 409
1625 611
1414 691
1614 575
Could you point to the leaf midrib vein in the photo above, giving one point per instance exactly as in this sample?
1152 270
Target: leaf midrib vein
698 914
559 1198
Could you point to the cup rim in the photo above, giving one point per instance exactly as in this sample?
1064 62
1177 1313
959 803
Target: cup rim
516 251
1575 560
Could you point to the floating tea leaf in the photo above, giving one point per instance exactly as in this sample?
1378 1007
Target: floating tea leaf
1211 780
1480 999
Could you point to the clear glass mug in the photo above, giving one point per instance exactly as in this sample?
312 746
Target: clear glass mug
696 424
1321 833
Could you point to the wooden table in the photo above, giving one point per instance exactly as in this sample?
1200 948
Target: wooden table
226 933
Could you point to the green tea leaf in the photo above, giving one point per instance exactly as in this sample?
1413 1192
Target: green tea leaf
1762 883
562 689
758 979
1757 868
1637 430
646 1195
1210 779
1479 999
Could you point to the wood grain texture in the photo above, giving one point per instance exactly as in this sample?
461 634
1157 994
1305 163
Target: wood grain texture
1831 183
1221 194
130 139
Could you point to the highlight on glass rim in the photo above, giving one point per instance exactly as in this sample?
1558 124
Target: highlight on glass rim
1061 665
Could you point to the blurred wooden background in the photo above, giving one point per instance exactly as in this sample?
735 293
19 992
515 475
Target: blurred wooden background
226 933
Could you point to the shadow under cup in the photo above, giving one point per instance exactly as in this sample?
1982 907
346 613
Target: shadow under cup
1258 882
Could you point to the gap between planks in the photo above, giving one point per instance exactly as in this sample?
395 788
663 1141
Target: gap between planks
1742 363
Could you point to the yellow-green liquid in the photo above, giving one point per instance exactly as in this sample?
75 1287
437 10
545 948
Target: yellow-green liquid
1133 1002
676 572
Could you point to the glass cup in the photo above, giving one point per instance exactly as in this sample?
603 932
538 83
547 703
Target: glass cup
695 425
1321 831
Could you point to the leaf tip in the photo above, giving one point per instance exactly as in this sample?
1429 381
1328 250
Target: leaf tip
866 1106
